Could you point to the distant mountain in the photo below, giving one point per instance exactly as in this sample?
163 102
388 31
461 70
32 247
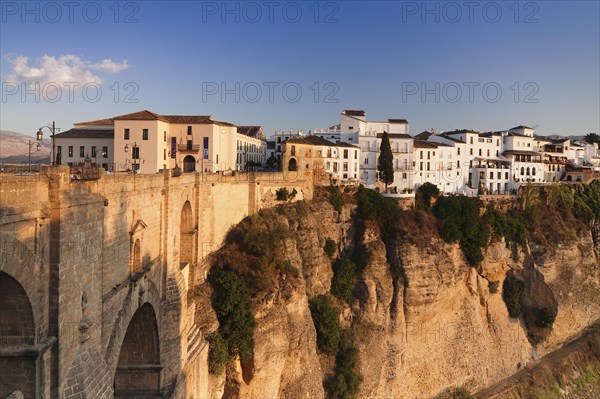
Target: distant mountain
14 148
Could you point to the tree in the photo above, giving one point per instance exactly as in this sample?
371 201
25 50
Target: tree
592 138
385 163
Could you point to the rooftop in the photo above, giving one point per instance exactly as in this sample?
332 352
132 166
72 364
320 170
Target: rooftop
86 133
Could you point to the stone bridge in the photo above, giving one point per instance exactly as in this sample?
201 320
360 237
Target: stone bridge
94 278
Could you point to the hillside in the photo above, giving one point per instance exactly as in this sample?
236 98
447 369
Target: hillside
14 148
373 302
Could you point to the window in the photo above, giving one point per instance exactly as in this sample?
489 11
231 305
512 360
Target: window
345 154
82 151
105 152
165 137
420 154
144 134
366 161
533 171
470 151
458 149
189 130
164 156
93 151
136 153
488 153
491 175
471 140
70 151
480 152
355 154
499 175
125 134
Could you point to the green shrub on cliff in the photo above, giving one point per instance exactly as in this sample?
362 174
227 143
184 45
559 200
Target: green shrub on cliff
234 312
510 225
512 292
342 284
330 247
374 206
425 193
218 355
345 383
327 323
458 219
544 317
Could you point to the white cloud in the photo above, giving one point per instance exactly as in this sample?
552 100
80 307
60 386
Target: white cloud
62 69
111 66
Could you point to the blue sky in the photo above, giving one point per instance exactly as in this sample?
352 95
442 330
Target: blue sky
298 64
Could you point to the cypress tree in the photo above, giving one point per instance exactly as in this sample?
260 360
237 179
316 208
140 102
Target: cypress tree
385 164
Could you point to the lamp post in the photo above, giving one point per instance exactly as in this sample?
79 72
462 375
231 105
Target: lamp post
53 130
135 154
30 143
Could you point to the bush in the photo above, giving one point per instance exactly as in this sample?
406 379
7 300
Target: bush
342 284
327 323
544 317
330 247
345 384
458 219
425 193
218 354
493 286
282 194
376 207
234 312
335 198
512 226
512 292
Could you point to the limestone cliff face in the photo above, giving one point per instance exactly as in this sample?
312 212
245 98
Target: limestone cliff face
432 324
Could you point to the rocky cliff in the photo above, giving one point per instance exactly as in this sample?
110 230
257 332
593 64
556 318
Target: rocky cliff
424 321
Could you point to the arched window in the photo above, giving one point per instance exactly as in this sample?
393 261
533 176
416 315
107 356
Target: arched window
528 171
522 170
136 264
533 171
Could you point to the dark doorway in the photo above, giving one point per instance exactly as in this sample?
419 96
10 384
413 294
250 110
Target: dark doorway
138 370
189 164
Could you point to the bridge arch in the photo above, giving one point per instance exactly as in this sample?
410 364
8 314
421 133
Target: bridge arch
17 329
138 368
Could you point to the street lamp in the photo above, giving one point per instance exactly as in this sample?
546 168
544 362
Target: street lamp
30 143
135 154
53 130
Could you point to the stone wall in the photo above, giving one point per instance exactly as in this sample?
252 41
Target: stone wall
69 247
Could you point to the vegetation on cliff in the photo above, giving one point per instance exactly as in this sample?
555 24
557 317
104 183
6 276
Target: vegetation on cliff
333 340
236 322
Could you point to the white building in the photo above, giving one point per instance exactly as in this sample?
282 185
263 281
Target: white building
251 148
526 163
93 140
355 129
147 142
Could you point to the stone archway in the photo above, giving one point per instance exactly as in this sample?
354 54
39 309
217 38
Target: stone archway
17 330
186 235
292 165
138 368
189 164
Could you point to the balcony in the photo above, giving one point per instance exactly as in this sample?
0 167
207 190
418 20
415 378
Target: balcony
188 148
